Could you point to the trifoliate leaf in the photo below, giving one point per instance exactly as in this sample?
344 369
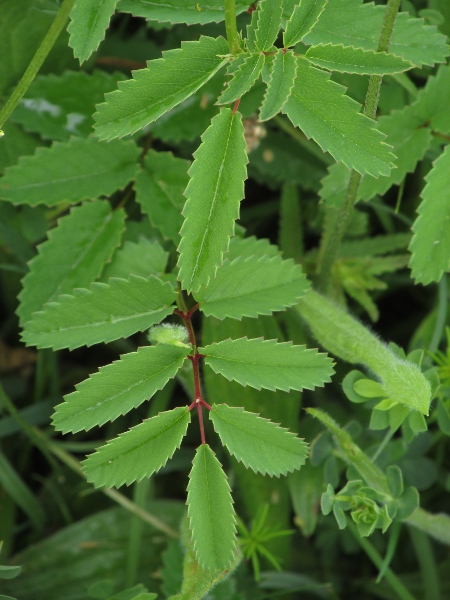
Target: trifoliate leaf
304 17
179 11
243 78
59 106
211 512
162 85
347 59
269 14
213 196
258 443
101 313
353 23
266 364
139 452
319 107
89 20
143 258
80 169
430 245
119 387
86 238
279 87
251 287
159 190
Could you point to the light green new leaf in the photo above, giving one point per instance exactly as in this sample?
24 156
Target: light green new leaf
268 25
162 85
352 23
347 59
258 443
213 196
430 245
211 512
303 19
159 190
279 87
243 78
89 20
143 258
266 364
117 388
139 452
320 108
79 169
101 313
179 11
251 287
73 256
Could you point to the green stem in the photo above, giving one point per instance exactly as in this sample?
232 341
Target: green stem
37 60
395 583
331 240
441 316
427 563
231 27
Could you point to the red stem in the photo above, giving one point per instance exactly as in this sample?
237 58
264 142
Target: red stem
236 106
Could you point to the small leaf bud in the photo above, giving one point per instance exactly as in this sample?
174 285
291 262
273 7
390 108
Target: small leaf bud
169 333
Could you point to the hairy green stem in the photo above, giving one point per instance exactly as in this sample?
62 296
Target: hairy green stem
36 62
231 27
331 240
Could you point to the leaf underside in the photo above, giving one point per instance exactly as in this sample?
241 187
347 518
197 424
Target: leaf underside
243 78
179 11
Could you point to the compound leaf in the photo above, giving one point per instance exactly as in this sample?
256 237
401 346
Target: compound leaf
89 20
159 190
258 443
304 17
86 238
430 245
179 11
243 78
102 313
72 171
251 287
143 258
266 364
268 23
347 59
117 388
162 85
279 87
352 23
139 452
213 196
211 512
319 107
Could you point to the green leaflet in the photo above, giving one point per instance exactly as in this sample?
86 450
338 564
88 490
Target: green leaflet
79 169
143 258
140 451
266 364
243 78
320 108
304 17
89 20
250 246
159 190
432 105
213 196
162 85
380 244
353 23
251 287
347 59
211 512
430 245
86 238
258 443
119 387
59 106
101 313
279 87
179 11
268 24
